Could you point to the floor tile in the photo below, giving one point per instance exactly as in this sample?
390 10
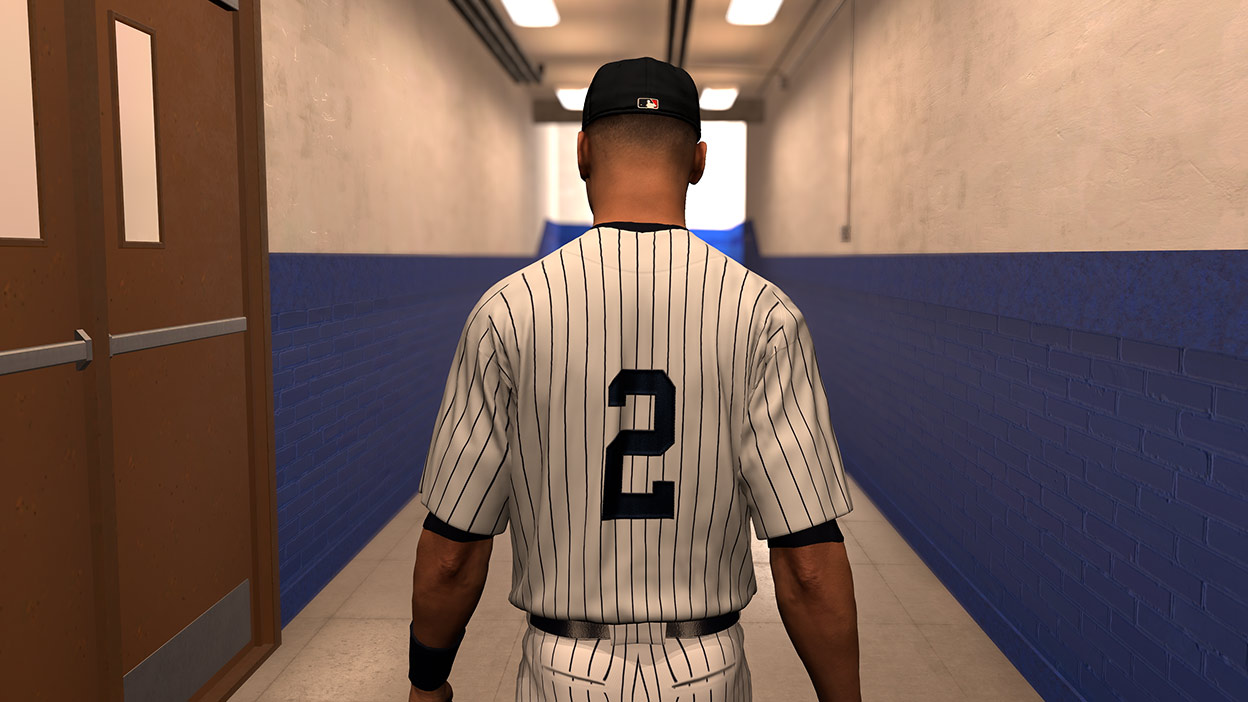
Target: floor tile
923 596
776 671
359 660
389 536
385 594
414 511
347 660
404 548
898 664
864 510
978 666
481 667
506 691
762 606
875 601
760 552
881 543
294 637
328 600
853 549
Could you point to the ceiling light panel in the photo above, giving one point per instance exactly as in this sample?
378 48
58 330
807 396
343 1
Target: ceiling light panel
532 13
753 12
716 99
572 98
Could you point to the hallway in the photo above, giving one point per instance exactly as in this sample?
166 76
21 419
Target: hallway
252 275
917 642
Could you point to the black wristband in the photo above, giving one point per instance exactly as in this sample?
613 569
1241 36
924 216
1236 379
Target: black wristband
427 667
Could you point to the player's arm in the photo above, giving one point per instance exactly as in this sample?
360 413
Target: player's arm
454 550
790 458
815 596
453 555
447 582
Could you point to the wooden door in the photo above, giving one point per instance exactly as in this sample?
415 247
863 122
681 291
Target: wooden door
155 461
50 620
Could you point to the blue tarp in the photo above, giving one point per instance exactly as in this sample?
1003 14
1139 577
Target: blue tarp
731 242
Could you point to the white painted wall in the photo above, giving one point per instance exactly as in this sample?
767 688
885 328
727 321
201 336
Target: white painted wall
390 128
981 125
716 202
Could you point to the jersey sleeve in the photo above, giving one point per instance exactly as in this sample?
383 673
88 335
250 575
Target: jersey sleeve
791 471
466 481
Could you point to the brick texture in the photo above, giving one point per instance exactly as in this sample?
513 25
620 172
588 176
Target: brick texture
1112 467
1081 492
361 351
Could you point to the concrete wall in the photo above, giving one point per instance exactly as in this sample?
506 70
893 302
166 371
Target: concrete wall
388 126
1073 125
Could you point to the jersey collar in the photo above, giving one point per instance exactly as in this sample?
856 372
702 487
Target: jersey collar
640 226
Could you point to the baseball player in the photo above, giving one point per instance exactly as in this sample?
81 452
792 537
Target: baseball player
628 404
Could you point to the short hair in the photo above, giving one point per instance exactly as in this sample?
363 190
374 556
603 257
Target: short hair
661 136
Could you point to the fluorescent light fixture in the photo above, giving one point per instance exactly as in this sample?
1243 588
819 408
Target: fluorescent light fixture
572 98
717 98
532 13
753 12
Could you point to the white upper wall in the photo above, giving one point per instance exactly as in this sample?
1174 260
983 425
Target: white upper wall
716 202
1068 125
390 128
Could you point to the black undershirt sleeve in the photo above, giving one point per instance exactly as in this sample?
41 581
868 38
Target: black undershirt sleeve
820 533
441 528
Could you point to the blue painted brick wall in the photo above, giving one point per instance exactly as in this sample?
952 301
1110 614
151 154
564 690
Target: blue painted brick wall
1078 483
1074 472
361 350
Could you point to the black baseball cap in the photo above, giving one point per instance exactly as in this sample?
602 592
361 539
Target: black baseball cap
642 86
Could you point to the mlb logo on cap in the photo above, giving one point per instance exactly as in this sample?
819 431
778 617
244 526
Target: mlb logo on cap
648 103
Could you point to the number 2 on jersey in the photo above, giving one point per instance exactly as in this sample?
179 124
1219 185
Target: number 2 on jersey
661 503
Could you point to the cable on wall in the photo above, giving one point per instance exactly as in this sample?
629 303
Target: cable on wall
671 27
676 54
484 20
793 41
684 36
849 148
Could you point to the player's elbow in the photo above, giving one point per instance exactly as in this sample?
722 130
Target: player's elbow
448 559
814 570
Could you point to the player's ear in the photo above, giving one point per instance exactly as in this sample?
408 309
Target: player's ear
582 155
699 163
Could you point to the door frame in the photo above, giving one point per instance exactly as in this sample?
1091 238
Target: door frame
88 72
266 611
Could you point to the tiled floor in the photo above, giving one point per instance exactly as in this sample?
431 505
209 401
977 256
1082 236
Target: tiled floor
916 642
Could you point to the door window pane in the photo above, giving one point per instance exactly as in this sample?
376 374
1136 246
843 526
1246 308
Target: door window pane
19 187
136 114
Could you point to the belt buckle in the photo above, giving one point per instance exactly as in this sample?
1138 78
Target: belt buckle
638 633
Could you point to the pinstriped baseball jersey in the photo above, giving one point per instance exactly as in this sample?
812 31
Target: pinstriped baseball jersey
629 403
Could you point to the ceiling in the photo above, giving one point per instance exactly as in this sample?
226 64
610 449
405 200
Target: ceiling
716 53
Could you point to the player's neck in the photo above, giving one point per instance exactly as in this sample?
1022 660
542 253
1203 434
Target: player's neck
641 218
641 212
640 198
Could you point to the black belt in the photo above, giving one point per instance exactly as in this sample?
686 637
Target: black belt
596 630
